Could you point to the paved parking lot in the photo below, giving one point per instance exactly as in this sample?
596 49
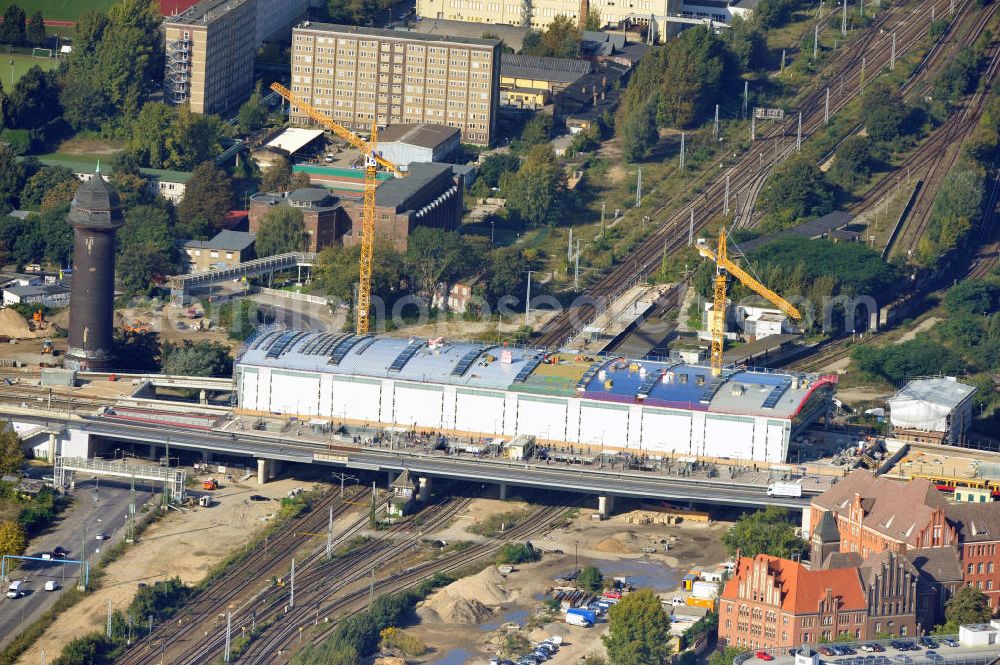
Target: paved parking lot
941 655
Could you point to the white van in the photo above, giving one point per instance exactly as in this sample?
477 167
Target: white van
51 585
15 590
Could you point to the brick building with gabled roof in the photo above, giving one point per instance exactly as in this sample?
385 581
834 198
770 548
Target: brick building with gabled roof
773 603
948 543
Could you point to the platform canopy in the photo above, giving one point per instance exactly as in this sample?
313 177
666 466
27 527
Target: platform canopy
294 139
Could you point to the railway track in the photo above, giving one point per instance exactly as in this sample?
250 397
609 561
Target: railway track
268 557
314 575
278 647
871 52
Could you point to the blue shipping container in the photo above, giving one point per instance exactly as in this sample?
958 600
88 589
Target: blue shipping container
590 615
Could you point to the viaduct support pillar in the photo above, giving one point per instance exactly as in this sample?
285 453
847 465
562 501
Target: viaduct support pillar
203 397
425 489
605 505
806 523
206 456
152 452
503 491
52 448
263 471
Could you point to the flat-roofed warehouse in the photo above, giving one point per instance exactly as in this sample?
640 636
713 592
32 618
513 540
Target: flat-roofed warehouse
653 408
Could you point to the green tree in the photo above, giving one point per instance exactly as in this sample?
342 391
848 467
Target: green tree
766 531
12 28
42 181
776 13
278 176
537 131
197 359
146 142
798 190
560 39
84 105
638 130
507 273
852 163
900 362
193 138
537 191
593 20
35 99
433 255
883 113
91 649
968 605
958 206
638 630
11 453
746 41
590 579
694 70
140 266
282 230
147 247
252 114
12 538
724 656
973 296
495 165
35 31
90 29
208 198
336 271
12 178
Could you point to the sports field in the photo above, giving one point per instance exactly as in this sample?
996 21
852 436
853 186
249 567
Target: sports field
22 63
63 10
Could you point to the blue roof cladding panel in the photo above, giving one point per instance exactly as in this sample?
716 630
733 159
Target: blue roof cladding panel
776 393
684 383
713 387
341 349
325 347
366 341
309 346
527 369
279 344
266 337
466 361
404 356
649 382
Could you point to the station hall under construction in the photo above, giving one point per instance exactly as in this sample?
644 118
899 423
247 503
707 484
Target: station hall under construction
608 404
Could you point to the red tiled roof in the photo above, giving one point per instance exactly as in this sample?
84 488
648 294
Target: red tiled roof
803 589
893 508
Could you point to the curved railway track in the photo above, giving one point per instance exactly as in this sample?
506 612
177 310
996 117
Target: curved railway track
268 558
265 651
871 51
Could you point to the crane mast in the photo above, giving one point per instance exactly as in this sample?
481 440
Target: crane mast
373 160
723 268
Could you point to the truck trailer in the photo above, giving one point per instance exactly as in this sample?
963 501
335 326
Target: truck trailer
784 489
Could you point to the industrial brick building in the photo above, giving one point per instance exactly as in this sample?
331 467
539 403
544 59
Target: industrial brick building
407 143
773 603
643 407
949 543
360 75
427 196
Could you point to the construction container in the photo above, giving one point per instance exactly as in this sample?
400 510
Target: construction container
706 590
57 376
702 602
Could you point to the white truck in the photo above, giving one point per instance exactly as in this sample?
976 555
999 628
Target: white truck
784 489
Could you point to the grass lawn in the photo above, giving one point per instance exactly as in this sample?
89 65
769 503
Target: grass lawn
22 63
63 10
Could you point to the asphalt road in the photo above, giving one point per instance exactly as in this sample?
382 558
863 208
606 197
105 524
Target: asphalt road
104 510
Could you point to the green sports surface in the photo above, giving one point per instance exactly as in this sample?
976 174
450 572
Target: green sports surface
22 63
62 10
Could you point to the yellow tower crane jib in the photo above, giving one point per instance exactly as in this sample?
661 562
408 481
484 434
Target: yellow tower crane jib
373 160
724 266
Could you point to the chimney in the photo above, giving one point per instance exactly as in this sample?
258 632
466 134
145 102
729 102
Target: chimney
595 98
603 95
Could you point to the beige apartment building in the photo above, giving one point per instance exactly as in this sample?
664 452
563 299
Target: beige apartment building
357 75
210 51
539 13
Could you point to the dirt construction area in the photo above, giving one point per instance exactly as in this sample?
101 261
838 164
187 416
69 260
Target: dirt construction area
184 545
472 619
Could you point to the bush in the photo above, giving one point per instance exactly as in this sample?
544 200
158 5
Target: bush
494 525
514 553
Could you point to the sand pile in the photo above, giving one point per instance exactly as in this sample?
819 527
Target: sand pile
389 660
612 546
13 325
469 600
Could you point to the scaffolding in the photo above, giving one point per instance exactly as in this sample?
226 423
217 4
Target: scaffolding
172 479
176 82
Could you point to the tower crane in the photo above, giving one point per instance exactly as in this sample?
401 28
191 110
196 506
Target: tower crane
723 268
373 160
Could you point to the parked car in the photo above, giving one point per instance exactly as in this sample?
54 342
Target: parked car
102 536
59 553
763 655
826 651
950 641
929 643
845 650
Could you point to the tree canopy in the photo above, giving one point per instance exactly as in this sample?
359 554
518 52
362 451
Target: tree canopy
899 362
968 605
197 359
884 113
12 538
208 198
638 630
797 191
766 531
590 579
560 39
536 193
11 453
281 231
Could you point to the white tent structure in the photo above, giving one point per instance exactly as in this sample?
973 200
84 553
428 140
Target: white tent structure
939 406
